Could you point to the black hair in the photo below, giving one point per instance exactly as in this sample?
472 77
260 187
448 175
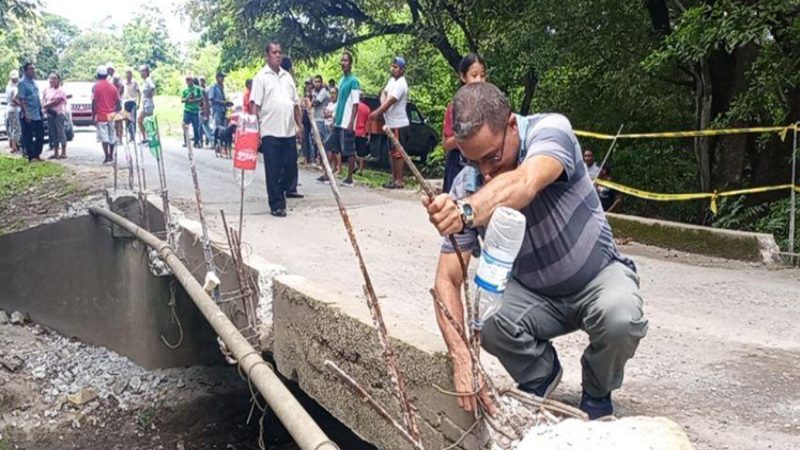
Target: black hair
248 82
467 61
332 81
25 66
271 44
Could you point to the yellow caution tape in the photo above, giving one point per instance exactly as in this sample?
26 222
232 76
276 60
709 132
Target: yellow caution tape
693 196
782 130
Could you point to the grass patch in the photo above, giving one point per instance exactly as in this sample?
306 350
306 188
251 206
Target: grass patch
376 179
17 175
147 416
169 112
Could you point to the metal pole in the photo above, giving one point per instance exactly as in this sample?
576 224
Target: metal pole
305 432
207 253
610 150
241 206
793 194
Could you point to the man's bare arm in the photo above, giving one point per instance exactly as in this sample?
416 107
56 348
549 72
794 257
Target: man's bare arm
515 189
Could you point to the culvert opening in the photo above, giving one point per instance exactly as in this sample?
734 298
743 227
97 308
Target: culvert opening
58 392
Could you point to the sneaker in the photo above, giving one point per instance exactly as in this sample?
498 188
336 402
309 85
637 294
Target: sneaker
322 179
545 388
294 195
278 212
347 182
597 407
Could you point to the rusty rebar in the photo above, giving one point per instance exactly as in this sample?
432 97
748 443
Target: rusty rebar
365 395
390 357
472 307
208 255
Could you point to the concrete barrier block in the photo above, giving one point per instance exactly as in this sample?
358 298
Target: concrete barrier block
731 244
312 325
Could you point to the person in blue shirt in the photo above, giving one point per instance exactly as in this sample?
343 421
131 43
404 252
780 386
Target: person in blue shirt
32 123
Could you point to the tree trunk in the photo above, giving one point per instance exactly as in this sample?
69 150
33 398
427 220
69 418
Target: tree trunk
530 81
729 78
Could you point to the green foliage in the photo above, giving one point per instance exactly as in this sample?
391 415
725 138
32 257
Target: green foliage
771 218
434 166
19 175
88 51
145 39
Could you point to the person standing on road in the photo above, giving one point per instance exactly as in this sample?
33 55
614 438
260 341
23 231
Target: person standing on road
318 102
131 97
343 138
471 69
591 165
248 87
362 136
275 100
394 100
31 119
13 127
205 113
330 113
191 97
148 105
219 108
568 275
105 98
54 101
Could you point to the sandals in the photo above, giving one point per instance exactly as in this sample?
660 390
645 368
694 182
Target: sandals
392 185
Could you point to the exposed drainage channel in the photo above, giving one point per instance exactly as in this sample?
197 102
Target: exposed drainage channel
90 293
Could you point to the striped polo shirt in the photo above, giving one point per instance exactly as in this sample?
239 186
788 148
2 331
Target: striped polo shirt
568 239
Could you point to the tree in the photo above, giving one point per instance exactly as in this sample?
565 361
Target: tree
145 39
16 9
89 50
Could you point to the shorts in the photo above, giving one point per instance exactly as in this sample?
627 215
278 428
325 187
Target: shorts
147 109
393 152
129 106
106 133
362 146
342 141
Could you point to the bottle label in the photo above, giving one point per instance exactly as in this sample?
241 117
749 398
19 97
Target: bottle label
492 274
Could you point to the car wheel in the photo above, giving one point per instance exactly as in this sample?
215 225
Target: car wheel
423 158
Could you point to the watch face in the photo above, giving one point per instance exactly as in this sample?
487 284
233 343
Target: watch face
468 210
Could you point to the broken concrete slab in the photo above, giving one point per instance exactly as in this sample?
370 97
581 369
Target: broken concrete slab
11 362
3 317
629 433
312 325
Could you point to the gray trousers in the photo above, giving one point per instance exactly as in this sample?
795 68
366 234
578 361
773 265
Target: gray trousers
608 309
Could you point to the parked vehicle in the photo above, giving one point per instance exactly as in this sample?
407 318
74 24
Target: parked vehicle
419 139
80 102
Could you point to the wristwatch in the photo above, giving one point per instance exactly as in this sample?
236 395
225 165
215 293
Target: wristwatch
466 212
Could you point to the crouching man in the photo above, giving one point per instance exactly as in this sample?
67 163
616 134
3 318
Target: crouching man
568 274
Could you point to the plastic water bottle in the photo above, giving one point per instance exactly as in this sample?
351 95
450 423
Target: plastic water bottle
501 246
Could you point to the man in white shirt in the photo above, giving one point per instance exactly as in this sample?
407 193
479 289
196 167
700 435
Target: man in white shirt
274 99
394 99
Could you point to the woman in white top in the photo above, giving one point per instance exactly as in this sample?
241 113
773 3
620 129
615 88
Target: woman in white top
13 126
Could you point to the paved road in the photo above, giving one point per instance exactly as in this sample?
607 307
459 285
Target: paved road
722 353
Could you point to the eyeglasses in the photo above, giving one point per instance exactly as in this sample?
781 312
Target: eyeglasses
492 158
